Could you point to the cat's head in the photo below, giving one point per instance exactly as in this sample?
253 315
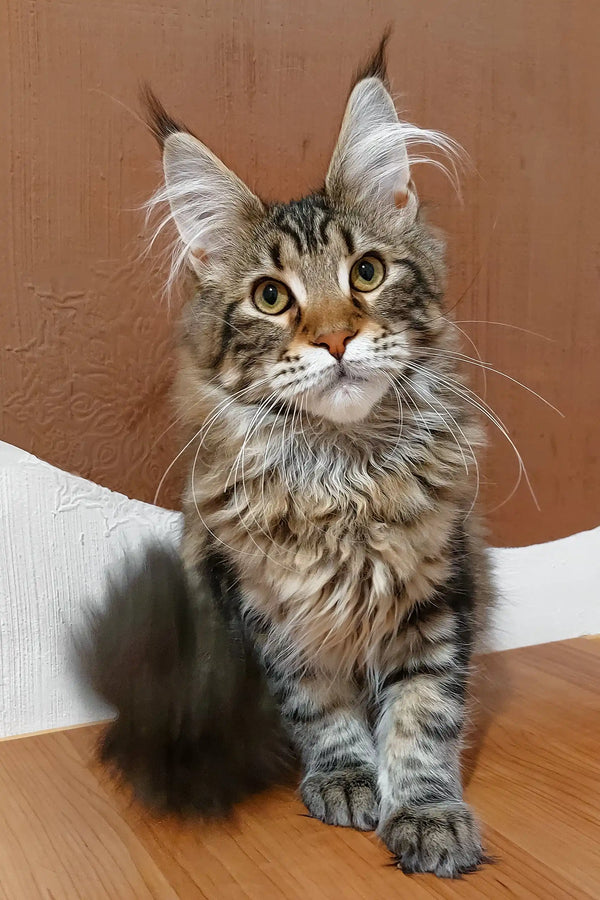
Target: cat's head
322 302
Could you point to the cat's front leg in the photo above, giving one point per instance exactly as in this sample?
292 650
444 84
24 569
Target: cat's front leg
423 819
329 728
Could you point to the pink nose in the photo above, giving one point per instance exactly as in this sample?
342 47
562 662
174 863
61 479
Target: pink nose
336 342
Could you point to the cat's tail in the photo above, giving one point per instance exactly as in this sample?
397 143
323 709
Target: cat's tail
197 728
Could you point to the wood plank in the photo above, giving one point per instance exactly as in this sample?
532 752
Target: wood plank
534 777
62 835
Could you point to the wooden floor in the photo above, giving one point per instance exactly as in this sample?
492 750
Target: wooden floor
532 772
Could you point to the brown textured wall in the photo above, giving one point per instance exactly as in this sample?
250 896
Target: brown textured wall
84 334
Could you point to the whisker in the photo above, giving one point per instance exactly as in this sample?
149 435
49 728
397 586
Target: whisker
471 397
264 468
257 421
490 368
449 414
227 402
170 466
475 348
544 337
391 455
222 321
468 443
200 516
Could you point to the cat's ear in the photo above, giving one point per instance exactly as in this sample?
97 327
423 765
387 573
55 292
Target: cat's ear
370 162
210 205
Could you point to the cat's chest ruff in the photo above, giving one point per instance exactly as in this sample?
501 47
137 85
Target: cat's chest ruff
332 551
338 591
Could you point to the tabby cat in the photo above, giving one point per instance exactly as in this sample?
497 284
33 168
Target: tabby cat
332 581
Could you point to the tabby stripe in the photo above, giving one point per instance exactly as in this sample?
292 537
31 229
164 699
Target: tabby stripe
323 225
335 758
226 334
402 673
460 594
420 612
438 730
291 232
348 240
430 789
307 226
299 715
275 254
414 268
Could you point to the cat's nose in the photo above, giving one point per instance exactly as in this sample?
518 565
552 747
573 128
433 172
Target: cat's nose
336 342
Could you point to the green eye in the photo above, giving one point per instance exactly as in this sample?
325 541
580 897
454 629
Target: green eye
271 297
367 273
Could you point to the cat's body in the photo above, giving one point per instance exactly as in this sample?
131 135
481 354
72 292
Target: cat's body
332 474
336 537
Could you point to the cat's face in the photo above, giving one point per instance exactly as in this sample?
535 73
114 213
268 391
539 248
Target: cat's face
320 303
321 309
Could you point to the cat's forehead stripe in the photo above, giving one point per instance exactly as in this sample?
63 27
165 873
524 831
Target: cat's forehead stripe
307 223
348 240
286 228
275 254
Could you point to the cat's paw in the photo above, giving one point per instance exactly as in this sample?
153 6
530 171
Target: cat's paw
343 797
440 837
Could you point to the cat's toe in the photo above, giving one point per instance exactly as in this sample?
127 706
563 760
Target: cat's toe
343 797
442 838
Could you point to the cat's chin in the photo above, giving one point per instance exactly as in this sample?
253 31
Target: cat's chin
347 402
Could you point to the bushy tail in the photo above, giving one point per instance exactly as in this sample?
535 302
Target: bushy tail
197 728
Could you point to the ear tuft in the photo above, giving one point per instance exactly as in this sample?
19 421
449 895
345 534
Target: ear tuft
210 206
157 118
376 65
371 162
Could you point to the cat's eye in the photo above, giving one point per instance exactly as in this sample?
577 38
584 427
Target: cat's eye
271 297
367 273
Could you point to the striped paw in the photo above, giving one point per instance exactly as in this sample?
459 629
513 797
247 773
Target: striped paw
346 796
442 838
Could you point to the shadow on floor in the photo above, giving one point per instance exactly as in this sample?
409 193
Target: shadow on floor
490 688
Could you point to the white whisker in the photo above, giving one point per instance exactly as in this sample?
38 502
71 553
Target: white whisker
543 337
468 395
475 348
490 368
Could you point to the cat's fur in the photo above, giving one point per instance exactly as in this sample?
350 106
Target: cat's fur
336 495
198 728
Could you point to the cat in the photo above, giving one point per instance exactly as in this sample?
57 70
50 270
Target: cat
333 581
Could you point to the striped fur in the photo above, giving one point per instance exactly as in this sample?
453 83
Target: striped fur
341 492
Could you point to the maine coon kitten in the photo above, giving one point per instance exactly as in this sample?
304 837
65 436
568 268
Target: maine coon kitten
334 582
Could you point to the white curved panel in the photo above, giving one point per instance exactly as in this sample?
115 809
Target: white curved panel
58 535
